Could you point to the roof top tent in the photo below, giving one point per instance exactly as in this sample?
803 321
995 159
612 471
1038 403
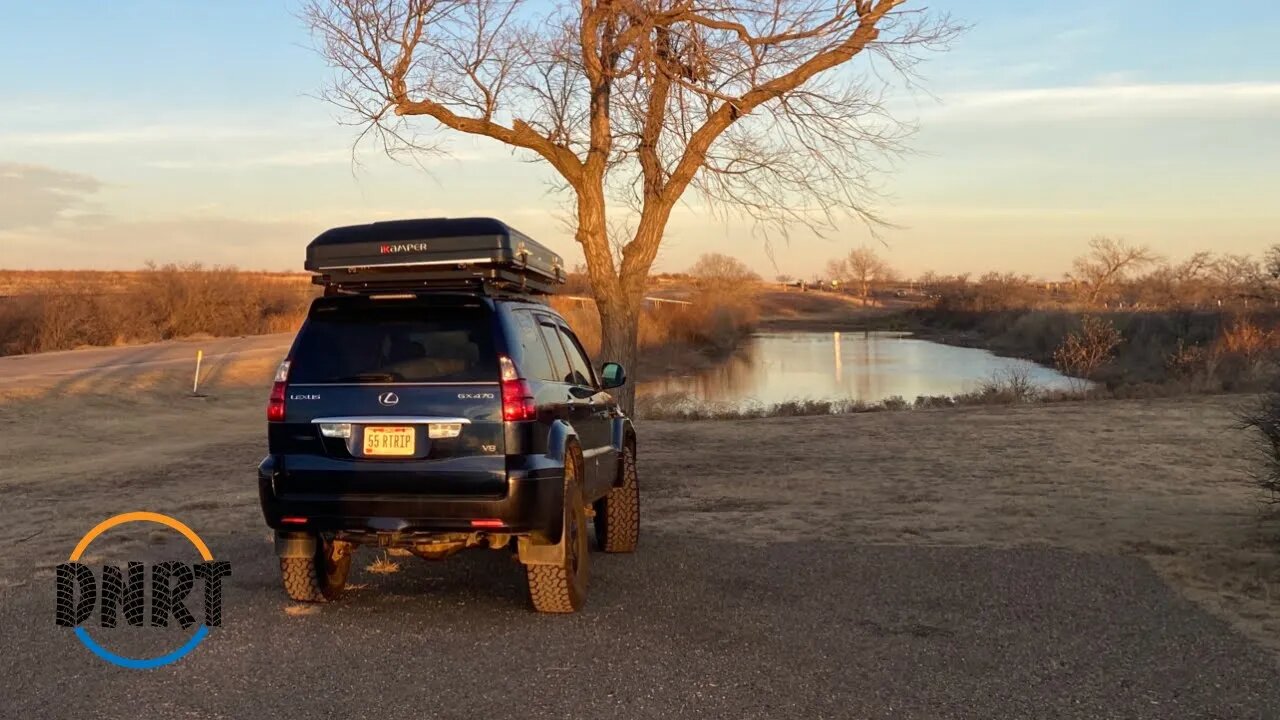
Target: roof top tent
446 254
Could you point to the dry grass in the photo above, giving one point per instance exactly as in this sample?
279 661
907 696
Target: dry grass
681 406
383 565
1009 388
63 311
715 321
1167 480
301 610
44 282
1191 352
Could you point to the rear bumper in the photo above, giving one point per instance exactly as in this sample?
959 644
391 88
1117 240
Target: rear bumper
532 505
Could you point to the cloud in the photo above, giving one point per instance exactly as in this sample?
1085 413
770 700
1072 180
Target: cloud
35 196
1245 99
241 157
48 219
136 134
298 159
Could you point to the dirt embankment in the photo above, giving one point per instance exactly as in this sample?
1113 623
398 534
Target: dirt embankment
1160 352
793 310
1165 480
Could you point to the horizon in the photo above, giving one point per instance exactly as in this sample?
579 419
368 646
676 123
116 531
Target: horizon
1046 131
898 278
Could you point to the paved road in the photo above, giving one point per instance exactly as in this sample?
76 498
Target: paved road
25 369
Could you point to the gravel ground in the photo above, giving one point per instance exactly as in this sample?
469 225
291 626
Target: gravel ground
1091 560
707 629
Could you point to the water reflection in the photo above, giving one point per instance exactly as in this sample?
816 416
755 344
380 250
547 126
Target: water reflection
866 366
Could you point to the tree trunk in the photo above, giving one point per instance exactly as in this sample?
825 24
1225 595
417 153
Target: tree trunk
616 303
619 332
619 290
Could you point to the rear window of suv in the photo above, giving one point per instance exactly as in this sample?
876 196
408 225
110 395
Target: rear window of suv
374 342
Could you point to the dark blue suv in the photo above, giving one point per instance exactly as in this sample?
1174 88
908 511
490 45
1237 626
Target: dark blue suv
439 415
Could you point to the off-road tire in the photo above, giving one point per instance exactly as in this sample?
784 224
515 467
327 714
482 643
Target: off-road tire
563 588
317 579
618 513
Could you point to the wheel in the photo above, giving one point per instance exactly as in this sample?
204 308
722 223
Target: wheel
320 578
618 513
563 588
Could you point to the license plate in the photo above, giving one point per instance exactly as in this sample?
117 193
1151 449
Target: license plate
389 441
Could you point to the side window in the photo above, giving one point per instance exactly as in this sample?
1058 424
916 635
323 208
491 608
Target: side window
534 360
582 374
558 359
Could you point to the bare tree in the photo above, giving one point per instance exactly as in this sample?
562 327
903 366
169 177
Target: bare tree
1108 263
1186 284
1238 273
640 101
1196 268
863 267
837 270
719 268
1273 262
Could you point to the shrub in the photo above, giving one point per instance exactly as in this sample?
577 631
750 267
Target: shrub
1087 350
1010 387
21 320
1264 418
1243 337
1240 356
1190 362
159 303
713 321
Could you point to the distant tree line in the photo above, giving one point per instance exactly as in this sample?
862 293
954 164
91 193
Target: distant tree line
1114 274
1111 274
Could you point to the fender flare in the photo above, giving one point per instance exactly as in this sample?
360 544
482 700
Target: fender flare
295 545
528 551
558 439
623 432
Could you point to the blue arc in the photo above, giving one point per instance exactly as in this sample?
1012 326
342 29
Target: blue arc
144 663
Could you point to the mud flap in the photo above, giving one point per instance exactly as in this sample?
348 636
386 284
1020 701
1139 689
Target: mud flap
295 545
532 553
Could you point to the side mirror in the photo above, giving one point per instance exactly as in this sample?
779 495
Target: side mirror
612 375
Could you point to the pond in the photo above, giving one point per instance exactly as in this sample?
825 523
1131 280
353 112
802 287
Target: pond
863 366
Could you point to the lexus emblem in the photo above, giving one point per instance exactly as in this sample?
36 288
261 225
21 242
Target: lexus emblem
389 399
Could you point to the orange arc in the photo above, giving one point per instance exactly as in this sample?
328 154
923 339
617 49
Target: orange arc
123 518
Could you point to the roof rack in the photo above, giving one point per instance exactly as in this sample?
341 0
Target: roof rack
491 281
474 255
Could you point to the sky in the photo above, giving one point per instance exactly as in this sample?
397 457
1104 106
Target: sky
191 131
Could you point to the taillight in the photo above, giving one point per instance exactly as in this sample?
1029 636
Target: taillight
275 405
517 396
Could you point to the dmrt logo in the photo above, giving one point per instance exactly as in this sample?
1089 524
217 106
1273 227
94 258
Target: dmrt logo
118 592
